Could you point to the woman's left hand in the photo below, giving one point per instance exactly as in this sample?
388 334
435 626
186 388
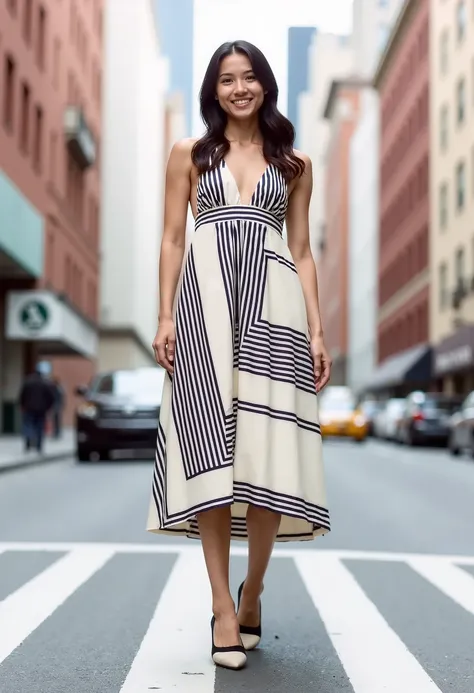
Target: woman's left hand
322 363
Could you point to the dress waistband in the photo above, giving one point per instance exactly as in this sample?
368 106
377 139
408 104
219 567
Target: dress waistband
238 213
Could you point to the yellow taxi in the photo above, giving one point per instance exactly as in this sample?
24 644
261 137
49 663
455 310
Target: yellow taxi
339 415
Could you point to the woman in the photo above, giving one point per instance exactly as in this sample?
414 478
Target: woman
239 445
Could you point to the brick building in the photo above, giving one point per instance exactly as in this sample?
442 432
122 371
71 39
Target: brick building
342 110
402 80
50 115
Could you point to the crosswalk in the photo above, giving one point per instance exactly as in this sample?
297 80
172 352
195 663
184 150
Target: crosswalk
383 624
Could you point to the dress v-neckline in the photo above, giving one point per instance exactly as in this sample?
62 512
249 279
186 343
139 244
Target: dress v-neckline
247 204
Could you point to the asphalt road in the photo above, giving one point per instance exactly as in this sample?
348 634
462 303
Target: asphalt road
91 603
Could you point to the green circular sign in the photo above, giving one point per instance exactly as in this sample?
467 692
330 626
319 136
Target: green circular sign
34 315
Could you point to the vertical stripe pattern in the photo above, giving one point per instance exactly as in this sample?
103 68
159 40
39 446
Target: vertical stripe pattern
238 424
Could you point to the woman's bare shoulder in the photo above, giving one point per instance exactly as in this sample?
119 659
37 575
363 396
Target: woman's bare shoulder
181 151
304 157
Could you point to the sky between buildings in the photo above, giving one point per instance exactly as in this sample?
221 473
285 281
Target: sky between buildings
264 23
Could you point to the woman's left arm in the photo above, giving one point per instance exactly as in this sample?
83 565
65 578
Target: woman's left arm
297 224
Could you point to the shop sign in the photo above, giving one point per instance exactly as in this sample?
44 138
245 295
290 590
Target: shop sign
34 315
456 353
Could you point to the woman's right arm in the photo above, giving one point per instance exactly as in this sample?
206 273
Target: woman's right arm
177 194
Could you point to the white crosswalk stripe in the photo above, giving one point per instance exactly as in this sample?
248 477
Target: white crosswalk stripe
24 610
174 651
372 654
178 630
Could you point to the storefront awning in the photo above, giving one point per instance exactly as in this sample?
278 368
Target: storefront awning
56 328
409 366
456 352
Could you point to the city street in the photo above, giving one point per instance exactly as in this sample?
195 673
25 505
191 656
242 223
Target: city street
93 604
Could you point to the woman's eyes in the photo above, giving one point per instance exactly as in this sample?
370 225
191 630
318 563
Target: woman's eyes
228 80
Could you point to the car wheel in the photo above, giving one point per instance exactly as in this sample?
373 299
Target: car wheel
453 448
83 454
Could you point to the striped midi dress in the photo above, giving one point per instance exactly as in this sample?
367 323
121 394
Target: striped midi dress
239 416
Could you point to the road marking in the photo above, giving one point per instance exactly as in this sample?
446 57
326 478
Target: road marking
195 547
175 654
26 608
450 579
374 657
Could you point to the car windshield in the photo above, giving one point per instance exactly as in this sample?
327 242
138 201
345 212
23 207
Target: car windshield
337 405
445 406
395 405
143 382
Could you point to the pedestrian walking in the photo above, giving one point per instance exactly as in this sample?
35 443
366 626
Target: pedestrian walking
58 406
36 401
239 445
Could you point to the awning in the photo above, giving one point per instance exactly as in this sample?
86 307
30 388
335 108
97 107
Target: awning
44 318
410 366
456 352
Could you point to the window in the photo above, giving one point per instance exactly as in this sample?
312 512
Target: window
38 138
383 32
460 186
27 20
25 117
459 269
443 206
461 19
443 52
461 100
53 147
443 128
9 93
41 45
56 62
472 170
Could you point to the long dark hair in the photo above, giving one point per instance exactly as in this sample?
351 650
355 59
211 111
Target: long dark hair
277 131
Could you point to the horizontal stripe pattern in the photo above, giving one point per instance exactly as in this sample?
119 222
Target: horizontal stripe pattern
238 213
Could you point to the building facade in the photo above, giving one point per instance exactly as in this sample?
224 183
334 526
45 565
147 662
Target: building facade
452 196
372 21
371 27
363 244
342 112
299 42
329 57
134 160
402 81
50 134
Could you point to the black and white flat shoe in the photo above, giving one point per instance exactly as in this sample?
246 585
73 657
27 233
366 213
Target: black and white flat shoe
228 657
251 635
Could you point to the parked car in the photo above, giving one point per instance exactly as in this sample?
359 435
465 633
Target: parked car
461 436
370 409
427 418
119 411
339 415
388 419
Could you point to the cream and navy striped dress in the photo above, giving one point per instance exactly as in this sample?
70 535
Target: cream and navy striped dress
239 417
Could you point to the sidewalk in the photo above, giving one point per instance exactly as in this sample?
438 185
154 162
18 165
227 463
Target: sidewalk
12 454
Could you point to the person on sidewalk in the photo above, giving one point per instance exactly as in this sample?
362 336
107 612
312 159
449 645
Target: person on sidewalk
36 400
58 406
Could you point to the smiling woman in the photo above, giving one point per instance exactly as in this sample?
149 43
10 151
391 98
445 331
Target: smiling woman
239 442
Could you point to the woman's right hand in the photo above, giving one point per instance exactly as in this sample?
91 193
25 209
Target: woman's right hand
164 344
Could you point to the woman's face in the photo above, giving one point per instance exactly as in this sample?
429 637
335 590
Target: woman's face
239 92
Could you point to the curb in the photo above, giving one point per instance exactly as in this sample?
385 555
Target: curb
34 462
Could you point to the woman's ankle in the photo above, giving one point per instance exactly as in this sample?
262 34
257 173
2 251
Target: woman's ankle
223 609
252 591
